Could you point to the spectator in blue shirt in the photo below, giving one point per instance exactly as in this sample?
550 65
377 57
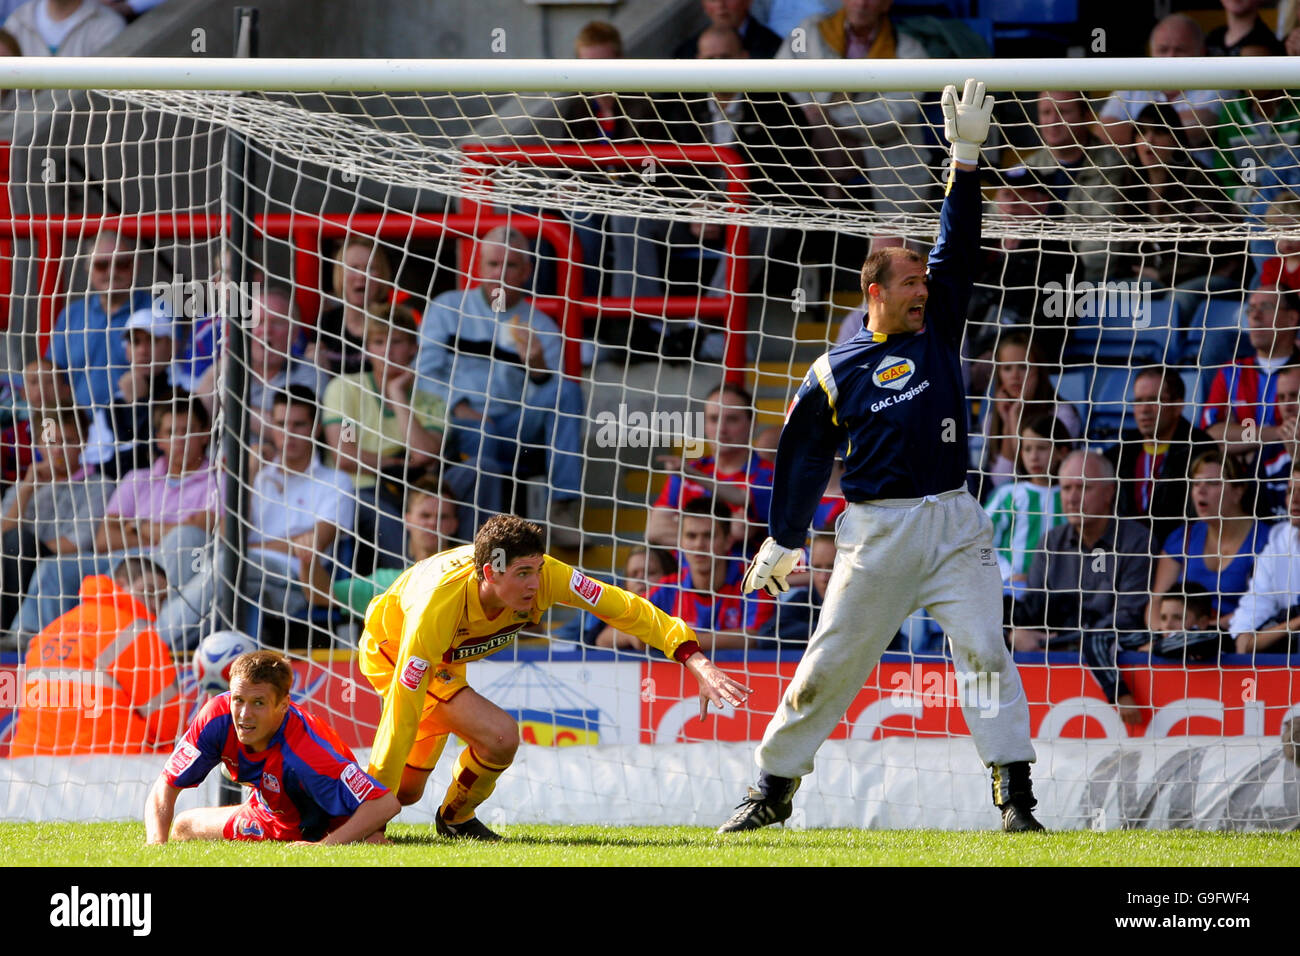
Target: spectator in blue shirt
87 341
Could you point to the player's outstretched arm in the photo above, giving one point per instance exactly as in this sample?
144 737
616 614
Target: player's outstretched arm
715 686
369 818
159 810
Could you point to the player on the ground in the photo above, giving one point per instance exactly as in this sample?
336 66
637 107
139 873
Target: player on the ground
307 786
466 603
912 536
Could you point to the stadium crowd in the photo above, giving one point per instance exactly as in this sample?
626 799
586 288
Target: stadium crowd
1142 477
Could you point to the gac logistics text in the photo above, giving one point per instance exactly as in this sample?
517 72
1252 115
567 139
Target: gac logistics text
912 392
1166 899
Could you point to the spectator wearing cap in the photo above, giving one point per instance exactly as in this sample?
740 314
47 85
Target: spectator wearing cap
119 439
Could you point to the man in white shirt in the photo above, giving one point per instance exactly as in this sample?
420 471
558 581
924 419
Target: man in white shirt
297 509
63 27
1268 617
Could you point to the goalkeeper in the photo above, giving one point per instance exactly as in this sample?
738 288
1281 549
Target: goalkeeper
467 603
912 535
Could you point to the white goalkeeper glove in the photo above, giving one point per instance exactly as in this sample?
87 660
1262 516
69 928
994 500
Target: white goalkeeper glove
770 568
966 120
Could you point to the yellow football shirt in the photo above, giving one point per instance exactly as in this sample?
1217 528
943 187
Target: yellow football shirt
430 624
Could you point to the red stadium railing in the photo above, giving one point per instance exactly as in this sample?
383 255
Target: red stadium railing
731 308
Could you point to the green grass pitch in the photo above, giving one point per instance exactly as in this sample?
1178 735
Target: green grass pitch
120 844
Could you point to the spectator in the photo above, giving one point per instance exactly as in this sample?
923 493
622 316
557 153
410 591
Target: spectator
119 439
1151 460
1187 626
107 647
86 342
431 522
1024 510
54 509
764 129
384 432
871 139
1076 165
1087 588
43 393
1241 407
179 488
131 10
644 569
63 27
271 365
363 281
1256 137
759 42
497 362
298 508
799 609
1168 186
1216 551
1010 275
1020 391
706 592
765 442
1175 35
1268 617
734 474
1245 28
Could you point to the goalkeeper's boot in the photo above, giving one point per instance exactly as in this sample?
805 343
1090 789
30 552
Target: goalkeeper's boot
770 802
471 829
1013 794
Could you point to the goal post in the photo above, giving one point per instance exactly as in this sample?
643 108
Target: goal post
642 246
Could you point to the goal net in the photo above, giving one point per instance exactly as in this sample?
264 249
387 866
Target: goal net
284 344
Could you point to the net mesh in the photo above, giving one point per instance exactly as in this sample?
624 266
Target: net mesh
457 305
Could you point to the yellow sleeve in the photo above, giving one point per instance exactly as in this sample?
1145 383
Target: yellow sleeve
620 609
426 634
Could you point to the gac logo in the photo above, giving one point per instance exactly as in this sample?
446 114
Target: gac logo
893 372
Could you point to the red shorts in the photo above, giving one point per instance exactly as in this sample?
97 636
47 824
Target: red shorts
253 822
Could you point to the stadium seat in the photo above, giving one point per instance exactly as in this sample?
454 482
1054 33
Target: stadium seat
1213 335
1122 339
1108 403
1049 20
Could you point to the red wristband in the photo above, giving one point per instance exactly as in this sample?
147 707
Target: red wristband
683 653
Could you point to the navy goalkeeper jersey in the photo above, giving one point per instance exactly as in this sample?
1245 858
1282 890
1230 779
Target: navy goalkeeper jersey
898 400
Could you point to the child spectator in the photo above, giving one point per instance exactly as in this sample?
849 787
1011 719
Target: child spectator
1023 511
1282 270
1187 626
107 647
431 521
798 609
1020 389
645 567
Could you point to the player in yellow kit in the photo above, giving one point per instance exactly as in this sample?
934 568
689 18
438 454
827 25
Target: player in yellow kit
464 604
